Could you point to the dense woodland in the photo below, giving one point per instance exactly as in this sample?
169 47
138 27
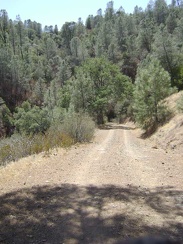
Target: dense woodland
112 65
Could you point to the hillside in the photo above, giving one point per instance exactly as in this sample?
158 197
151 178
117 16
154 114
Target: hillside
91 67
170 136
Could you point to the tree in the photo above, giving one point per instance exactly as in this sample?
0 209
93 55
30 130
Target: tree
51 96
31 120
80 28
167 51
171 21
50 48
21 35
138 14
75 46
146 34
6 120
121 33
95 87
90 22
109 13
67 33
160 11
64 72
123 97
152 85
113 52
38 93
5 73
4 26
56 30
82 92
150 8
13 37
78 51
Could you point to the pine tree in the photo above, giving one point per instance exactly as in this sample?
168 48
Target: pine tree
152 85
4 26
167 51
160 11
6 120
21 35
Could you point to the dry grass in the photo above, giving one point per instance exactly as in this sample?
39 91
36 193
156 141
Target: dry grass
75 128
18 146
170 135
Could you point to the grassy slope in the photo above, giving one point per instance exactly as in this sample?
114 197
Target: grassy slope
170 135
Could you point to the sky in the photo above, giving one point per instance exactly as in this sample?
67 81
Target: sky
57 12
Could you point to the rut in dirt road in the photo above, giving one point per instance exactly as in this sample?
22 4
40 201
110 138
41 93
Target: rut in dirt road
107 191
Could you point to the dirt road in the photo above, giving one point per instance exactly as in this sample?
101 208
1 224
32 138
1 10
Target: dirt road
117 187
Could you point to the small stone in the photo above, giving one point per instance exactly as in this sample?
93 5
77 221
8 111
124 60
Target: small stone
155 147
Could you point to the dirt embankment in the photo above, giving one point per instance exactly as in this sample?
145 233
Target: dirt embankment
170 136
117 187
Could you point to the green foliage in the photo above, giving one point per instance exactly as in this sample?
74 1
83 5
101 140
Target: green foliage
96 84
55 70
74 128
151 87
178 77
6 120
180 104
31 120
166 50
64 73
93 87
82 91
160 11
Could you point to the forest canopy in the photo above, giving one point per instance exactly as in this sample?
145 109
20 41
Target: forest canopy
89 67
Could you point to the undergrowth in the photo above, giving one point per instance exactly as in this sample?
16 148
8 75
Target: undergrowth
75 128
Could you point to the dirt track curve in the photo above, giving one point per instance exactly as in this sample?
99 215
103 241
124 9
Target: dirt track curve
115 188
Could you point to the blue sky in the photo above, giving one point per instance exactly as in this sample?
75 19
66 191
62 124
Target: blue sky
59 11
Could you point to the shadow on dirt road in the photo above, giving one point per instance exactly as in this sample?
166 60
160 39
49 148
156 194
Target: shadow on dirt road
82 214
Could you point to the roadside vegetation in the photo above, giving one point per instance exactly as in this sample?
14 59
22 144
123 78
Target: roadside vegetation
57 85
180 104
74 128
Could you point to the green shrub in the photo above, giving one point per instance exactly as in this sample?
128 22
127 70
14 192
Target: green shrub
74 128
5 154
164 114
180 104
30 121
78 126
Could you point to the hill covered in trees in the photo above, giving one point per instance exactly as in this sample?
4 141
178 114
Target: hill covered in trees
113 65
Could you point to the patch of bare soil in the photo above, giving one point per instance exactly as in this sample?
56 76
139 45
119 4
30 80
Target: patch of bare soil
170 136
117 187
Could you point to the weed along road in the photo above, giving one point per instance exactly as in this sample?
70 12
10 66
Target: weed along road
117 187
